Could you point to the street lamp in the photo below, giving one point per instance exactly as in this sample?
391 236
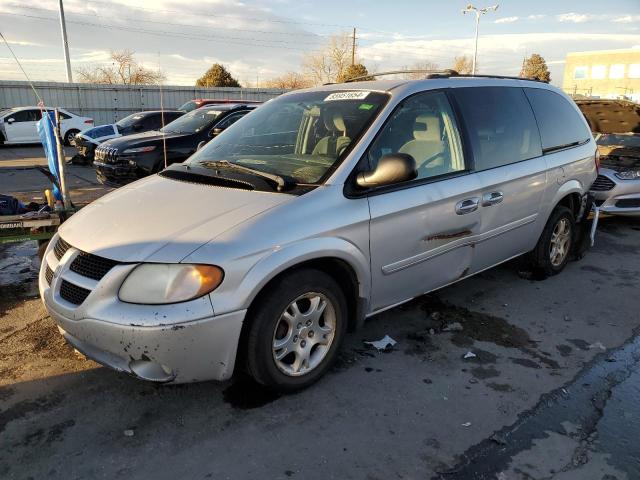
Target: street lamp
479 12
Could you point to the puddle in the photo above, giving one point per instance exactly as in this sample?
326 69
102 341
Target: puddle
19 267
246 394
479 327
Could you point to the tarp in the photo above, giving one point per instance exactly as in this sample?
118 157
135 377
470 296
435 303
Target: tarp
48 139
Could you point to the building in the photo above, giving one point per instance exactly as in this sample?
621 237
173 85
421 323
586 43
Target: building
603 74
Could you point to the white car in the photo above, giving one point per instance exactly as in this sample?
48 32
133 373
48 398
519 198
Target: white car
18 125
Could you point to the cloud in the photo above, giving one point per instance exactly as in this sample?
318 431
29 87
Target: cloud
627 19
574 17
24 43
536 17
507 20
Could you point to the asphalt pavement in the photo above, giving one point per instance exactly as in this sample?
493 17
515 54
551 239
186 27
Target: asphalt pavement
549 392
21 178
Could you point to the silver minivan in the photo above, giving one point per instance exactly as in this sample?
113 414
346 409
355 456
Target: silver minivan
319 209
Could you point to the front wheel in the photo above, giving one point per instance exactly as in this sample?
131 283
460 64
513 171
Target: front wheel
69 136
296 330
554 246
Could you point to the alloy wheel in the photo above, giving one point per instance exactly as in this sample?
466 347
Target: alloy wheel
303 334
560 242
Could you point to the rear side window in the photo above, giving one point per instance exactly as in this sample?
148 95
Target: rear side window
501 125
560 124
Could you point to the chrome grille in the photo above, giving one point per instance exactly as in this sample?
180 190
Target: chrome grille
91 266
602 184
106 154
73 293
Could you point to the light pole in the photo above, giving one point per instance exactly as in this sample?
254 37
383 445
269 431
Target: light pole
65 44
479 12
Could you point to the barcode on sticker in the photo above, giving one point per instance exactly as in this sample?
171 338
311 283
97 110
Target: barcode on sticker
347 96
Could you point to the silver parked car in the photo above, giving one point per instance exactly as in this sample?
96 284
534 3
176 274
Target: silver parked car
616 127
321 208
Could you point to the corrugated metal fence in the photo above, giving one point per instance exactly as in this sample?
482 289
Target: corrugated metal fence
109 103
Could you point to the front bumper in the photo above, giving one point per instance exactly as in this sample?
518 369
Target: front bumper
115 173
174 343
621 197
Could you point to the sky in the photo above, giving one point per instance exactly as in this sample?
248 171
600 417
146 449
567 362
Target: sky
259 39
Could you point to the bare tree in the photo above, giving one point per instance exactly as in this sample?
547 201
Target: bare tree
424 65
326 65
124 69
290 80
463 64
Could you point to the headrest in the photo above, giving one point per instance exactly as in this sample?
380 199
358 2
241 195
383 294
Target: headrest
427 127
333 120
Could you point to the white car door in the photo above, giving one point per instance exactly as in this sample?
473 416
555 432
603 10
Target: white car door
20 126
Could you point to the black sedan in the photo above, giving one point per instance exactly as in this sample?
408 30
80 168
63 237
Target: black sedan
88 140
123 160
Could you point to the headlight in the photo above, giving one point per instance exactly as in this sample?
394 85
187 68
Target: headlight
150 148
628 175
157 283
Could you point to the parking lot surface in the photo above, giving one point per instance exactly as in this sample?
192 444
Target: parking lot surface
550 390
20 177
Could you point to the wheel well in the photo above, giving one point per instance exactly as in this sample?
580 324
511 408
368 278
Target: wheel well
572 202
337 268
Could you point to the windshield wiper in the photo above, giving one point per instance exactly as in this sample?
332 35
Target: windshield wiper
282 183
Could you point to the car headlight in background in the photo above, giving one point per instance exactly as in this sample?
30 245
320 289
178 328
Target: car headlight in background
150 148
628 175
157 283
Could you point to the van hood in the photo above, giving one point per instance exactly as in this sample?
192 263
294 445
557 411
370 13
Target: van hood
162 220
611 116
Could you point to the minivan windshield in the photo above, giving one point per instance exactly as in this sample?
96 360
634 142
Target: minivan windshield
192 122
300 136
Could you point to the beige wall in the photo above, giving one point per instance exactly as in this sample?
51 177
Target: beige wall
605 64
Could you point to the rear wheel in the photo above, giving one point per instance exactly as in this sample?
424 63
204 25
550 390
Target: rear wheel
554 246
296 330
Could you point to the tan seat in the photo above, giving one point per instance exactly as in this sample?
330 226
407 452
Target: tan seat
427 140
336 143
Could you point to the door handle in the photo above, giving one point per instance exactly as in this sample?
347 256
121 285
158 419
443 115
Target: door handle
467 206
492 198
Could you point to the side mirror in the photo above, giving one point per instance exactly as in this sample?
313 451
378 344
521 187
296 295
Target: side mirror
392 168
200 145
216 131
10 120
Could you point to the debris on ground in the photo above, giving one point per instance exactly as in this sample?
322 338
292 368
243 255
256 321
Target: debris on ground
469 354
453 327
385 344
466 424
129 433
598 345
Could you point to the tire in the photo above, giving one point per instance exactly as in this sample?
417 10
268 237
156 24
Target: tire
544 259
69 136
288 350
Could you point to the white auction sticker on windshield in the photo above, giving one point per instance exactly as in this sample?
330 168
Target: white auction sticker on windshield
347 96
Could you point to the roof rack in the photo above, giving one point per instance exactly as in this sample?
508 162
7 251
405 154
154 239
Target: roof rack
432 74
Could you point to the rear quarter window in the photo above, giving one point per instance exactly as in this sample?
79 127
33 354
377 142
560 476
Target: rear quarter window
560 124
500 125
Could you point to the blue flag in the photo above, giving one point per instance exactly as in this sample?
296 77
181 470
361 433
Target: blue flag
48 139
